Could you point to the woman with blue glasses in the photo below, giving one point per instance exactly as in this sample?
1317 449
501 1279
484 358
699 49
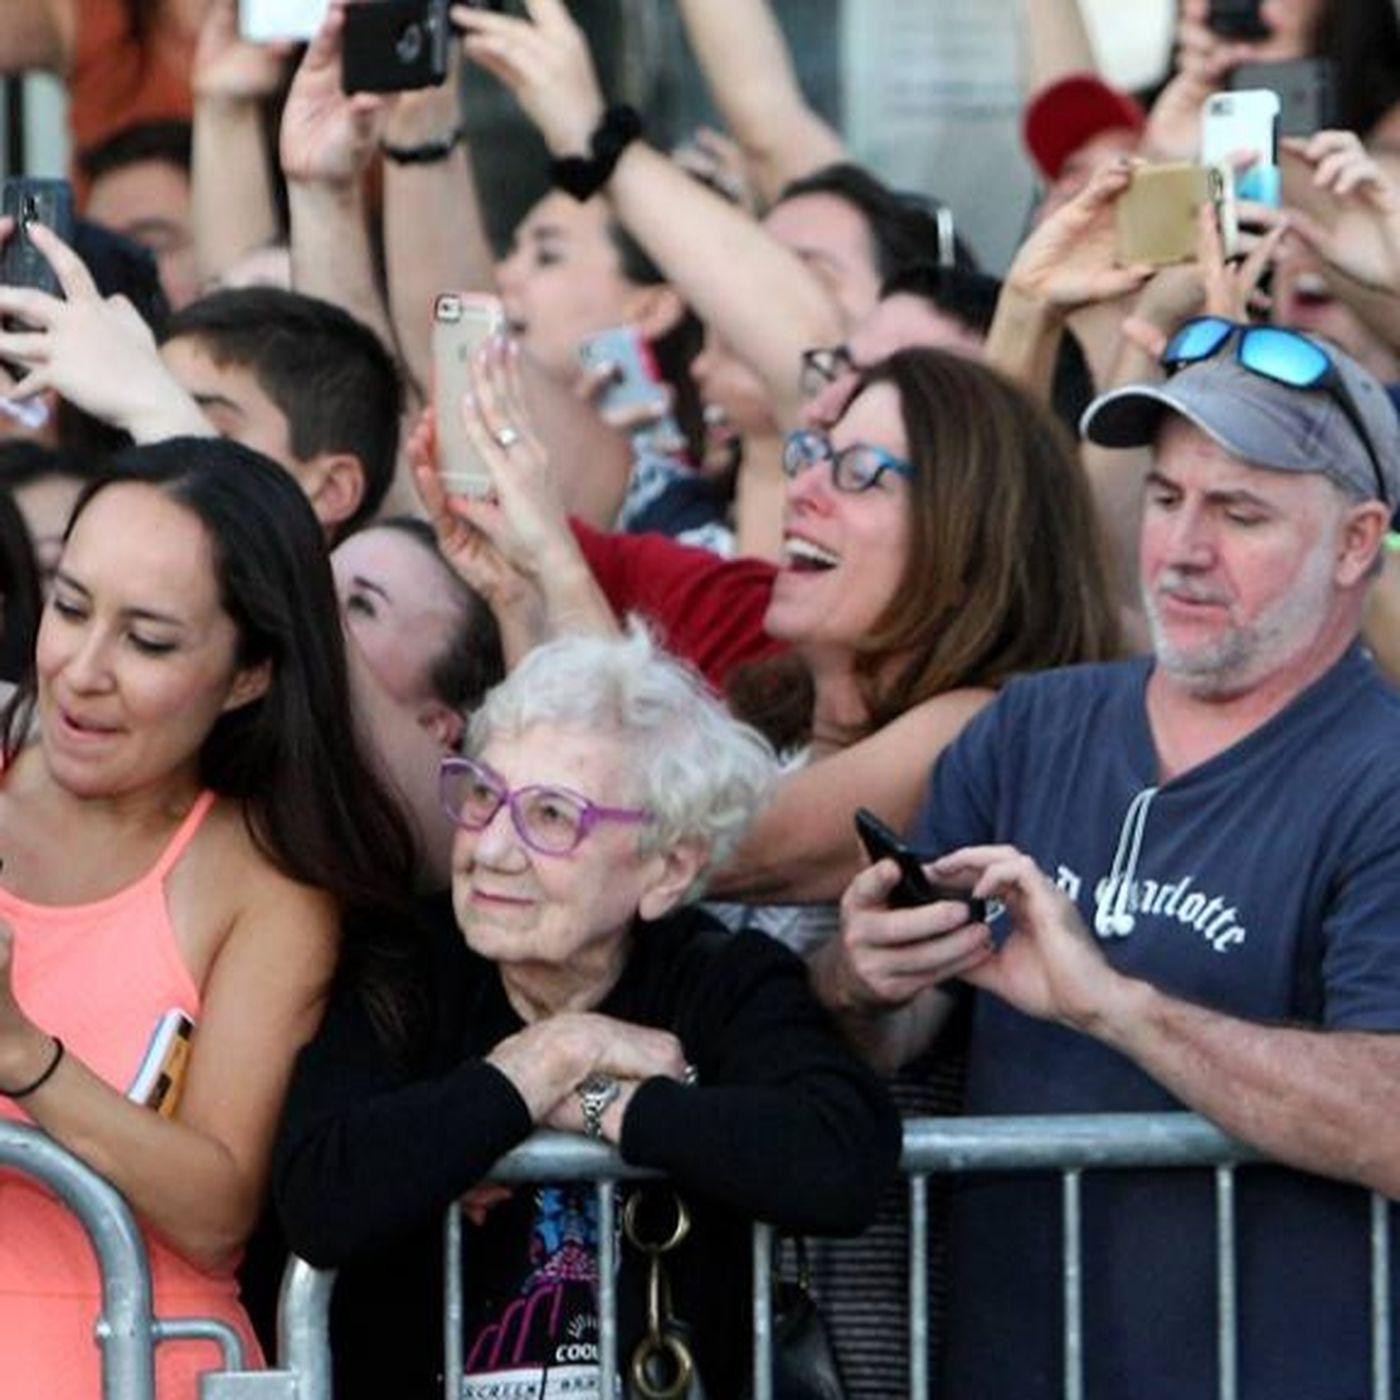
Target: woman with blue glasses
569 986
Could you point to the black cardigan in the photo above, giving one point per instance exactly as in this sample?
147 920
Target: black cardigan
785 1126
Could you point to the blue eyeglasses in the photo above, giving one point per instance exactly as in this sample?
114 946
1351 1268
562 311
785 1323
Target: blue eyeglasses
551 820
855 468
1281 355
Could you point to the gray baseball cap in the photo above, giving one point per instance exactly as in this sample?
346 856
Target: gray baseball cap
1264 422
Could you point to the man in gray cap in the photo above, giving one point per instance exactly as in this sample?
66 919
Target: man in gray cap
1197 858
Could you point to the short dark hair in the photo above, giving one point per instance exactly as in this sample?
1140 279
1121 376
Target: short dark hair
971 298
169 142
968 297
472 662
327 372
903 227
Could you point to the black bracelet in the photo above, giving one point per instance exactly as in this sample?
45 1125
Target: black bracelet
429 153
584 176
42 1079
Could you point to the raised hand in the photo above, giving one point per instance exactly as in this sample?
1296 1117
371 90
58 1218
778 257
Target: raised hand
1071 259
546 64
328 136
71 344
1349 212
227 67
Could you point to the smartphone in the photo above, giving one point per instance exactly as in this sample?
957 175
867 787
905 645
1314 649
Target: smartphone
462 321
1236 122
278 21
636 381
395 45
1306 88
1156 214
1237 19
28 202
914 887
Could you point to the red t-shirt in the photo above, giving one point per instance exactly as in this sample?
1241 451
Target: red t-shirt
707 610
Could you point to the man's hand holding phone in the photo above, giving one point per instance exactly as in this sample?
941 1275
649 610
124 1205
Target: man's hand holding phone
886 955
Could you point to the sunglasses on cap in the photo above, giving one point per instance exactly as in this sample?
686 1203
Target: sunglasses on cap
1284 356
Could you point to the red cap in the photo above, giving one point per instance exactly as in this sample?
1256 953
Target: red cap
1060 118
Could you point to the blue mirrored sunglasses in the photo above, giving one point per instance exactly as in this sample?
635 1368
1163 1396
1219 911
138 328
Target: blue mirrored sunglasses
1284 356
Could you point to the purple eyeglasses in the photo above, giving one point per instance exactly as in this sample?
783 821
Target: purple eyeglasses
550 820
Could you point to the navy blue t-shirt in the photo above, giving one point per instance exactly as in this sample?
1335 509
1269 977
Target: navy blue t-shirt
1264 883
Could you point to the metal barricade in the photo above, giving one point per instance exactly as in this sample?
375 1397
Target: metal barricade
127 1331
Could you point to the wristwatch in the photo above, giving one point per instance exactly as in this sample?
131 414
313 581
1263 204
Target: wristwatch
594 1095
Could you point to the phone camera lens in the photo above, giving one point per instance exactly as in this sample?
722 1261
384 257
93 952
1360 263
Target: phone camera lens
410 45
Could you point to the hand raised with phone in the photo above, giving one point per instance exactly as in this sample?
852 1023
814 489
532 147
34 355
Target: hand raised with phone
70 343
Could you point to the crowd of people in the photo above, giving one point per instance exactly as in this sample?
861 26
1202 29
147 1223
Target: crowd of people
407 822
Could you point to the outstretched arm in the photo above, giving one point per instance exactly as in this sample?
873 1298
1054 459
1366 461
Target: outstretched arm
434 235
327 142
759 296
235 208
749 71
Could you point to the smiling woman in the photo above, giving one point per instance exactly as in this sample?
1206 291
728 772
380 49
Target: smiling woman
180 836
574 990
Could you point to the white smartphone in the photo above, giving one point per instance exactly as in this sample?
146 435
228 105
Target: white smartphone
461 322
1248 120
275 21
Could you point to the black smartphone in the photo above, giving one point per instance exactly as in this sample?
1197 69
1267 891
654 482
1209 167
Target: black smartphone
29 202
914 887
1306 88
1237 19
395 45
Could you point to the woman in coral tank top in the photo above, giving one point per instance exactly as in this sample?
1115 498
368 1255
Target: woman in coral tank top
184 820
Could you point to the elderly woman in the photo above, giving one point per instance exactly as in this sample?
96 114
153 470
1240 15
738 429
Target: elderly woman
575 990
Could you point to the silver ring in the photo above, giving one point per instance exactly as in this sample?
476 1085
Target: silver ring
690 1075
507 436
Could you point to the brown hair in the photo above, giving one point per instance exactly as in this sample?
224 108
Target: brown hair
1005 571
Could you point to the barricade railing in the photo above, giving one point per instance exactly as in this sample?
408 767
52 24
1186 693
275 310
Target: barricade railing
127 1331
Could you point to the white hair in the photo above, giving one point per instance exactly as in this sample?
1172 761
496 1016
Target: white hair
701 773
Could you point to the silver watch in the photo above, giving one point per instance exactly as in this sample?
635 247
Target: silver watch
594 1095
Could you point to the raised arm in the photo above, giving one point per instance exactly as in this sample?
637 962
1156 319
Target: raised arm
1057 43
327 142
759 296
749 71
434 236
235 208
803 846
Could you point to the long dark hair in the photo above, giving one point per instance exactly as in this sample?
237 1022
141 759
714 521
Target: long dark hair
19 591
1005 570
1362 37
291 759
676 349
